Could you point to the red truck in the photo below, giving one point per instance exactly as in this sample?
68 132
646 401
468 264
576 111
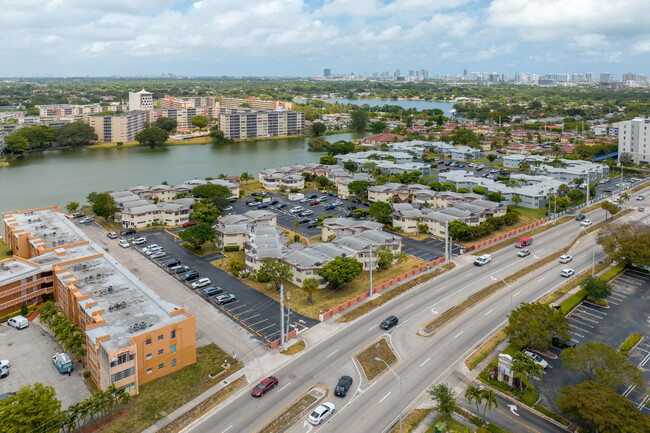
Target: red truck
524 242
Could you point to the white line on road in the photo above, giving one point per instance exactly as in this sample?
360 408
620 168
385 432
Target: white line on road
469 273
458 334
384 397
515 294
422 365
284 386
374 327
332 353
409 305
228 428
488 312
540 279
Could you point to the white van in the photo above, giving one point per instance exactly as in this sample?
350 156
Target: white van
483 260
18 322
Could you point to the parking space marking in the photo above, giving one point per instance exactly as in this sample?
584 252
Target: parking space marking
587 308
577 319
266 327
575 333
586 331
257 323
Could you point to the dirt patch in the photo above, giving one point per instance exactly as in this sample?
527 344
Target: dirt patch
287 417
371 367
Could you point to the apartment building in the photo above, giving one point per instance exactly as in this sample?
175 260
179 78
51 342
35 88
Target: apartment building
390 192
255 103
633 139
176 102
565 170
61 110
132 335
182 115
141 100
243 123
346 227
236 230
133 211
409 218
119 127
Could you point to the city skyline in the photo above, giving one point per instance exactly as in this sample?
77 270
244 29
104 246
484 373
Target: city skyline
301 37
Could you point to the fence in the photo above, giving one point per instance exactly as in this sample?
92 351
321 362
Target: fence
504 235
276 343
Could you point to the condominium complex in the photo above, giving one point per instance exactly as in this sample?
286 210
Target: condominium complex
186 102
119 127
255 103
242 123
60 110
141 100
633 139
182 115
132 335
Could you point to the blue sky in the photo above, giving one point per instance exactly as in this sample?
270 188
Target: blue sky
301 37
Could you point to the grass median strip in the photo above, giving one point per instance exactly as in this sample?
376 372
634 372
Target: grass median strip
287 417
371 367
294 348
388 295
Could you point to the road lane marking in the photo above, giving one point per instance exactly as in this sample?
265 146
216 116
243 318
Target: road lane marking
332 353
284 386
488 312
409 305
458 335
227 428
385 397
374 327
440 288
422 365
540 279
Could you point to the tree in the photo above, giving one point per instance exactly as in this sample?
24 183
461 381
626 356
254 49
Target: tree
602 364
473 393
318 144
72 206
30 409
200 121
609 207
604 409
479 190
626 159
210 190
358 187
516 199
380 211
205 211
318 129
358 120
322 182
23 309
445 399
37 136
351 166
596 288
383 257
275 271
626 243
328 160
75 134
490 399
16 143
378 127
495 196
218 137
166 123
535 325
341 270
459 230
525 366
491 157
152 137
198 235
91 197
524 166
310 286
104 205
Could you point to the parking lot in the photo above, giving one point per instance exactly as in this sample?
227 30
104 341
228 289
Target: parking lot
427 249
30 352
253 310
629 305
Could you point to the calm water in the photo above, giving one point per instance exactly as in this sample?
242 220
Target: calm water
420 105
59 177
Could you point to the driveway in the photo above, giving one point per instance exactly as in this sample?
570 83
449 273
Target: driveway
427 249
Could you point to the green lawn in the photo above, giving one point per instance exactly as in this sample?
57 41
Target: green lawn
4 251
529 212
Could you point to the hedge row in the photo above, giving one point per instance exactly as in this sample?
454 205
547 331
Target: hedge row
630 343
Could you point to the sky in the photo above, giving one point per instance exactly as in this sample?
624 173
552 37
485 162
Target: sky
302 37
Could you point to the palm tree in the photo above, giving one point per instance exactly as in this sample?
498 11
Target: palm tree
534 369
474 393
445 399
519 369
48 311
490 399
310 286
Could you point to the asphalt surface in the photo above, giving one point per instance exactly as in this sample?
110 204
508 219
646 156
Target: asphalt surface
427 249
511 416
253 310
374 406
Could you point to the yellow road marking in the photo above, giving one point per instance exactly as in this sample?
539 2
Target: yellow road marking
517 421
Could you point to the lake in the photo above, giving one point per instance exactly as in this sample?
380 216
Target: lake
419 105
61 176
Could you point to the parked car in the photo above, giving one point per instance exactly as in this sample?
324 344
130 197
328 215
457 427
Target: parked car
567 272
111 235
158 255
307 213
311 224
79 215
18 322
262 206
5 363
366 203
641 209
264 386
303 220
189 276
356 200
272 202
313 196
565 258
296 209
536 358
127 232
170 263
201 282
179 269
389 322
330 207
153 250
4 372
350 207
281 206
149 247
483 260
585 223
86 220
253 203
62 362
337 203
560 344
640 197
123 243
314 203
190 224
211 290
342 388
321 413
580 217
228 209
523 253
139 241
322 198
304 200
224 298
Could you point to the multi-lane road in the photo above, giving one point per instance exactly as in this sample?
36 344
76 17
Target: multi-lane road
375 406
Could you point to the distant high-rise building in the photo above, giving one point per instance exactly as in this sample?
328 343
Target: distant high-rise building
629 77
327 73
504 78
464 72
590 77
578 78
141 100
411 73
605 77
397 73
425 73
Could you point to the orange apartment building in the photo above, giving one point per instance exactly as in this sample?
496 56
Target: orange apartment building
132 335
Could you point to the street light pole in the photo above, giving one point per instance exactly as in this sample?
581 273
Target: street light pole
370 266
401 401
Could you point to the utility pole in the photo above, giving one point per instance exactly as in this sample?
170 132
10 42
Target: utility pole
281 316
620 188
288 316
370 266
446 241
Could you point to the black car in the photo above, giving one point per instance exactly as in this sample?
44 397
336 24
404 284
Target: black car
562 344
311 224
272 202
191 275
350 207
356 200
170 263
211 290
127 232
580 217
79 215
389 322
341 390
281 206
304 220
313 196
366 203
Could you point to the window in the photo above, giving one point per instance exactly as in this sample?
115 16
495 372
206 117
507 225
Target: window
161 351
129 387
161 366
160 337
148 356
173 349
149 371
148 341
174 362
122 374
172 335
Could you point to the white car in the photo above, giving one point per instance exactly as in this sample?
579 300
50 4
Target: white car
640 197
523 253
228 209
567 272
124 243
585 223
536 358
565 258
483 260
201 282
296 209
5 363
153 250
321 413
139 241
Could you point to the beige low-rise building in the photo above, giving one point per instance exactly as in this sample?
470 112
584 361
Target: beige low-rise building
346 227
236 230
133 211
410 218
395 192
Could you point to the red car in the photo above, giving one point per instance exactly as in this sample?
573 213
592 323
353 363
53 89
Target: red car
264 386
190 224
314 202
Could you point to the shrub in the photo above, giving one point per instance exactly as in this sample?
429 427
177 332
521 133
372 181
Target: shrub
235 274
216 371
231 248
86 374
23 309
630 342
